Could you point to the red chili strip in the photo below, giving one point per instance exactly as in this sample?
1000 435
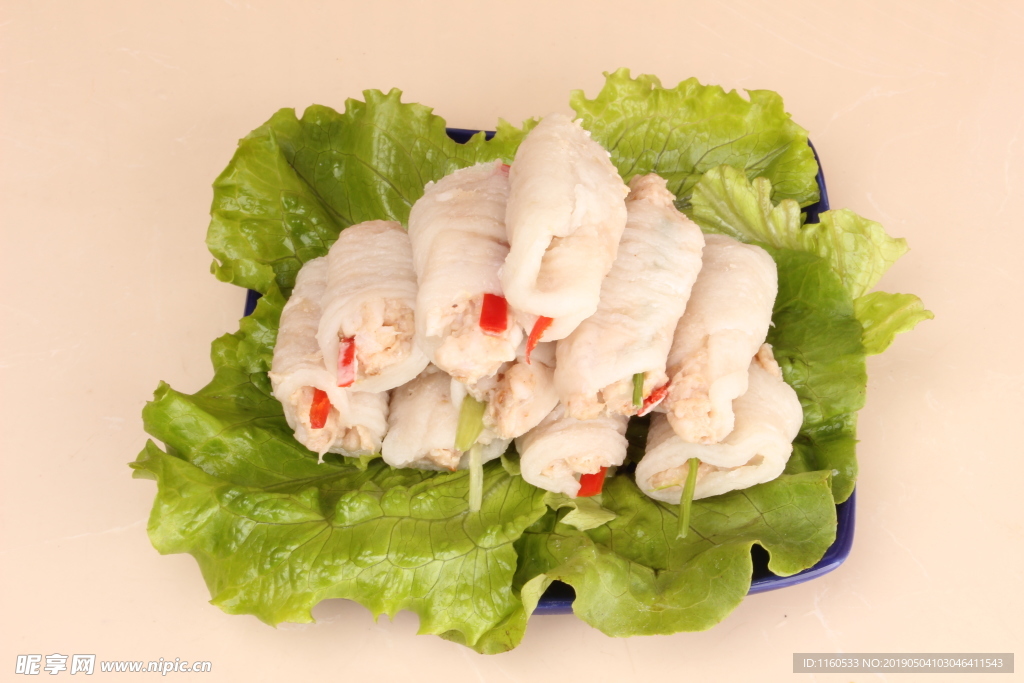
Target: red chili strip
320 409
591 484
347 362
655 397
494 314
539 328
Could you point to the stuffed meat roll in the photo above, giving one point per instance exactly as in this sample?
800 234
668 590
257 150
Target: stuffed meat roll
313 403
561 451
366 332
726 321
615 360
457 229
423 423
363 424
768 418
565 216
520 394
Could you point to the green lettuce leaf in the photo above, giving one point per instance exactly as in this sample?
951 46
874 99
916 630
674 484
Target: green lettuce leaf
828 445
389 539
294 184
885 315
816 339
584 513
726 202
860 250
632 576
682 132
233 428
509 632
510 461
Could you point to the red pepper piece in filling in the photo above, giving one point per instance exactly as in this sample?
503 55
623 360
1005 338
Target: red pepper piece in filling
347 362
494 314
539 328
591 484
656 397
319 410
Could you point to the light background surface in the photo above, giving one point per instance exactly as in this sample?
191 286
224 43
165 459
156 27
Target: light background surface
117 116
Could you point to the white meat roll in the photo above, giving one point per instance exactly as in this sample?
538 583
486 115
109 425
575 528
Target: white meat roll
725 322
422 426
520 394
554 454
768 418
457 229
363 425
368 308
297 371
642 300
565 216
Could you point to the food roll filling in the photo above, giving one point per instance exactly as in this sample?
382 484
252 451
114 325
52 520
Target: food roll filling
575 466
508 401
363 424
702 391
368 322
317 439
357 439
446 458
384 338
615 398
468 352
690 408
519 395
676 476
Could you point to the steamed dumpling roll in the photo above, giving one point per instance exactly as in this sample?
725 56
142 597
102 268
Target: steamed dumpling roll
422 426
565 216
457 229
768 418
726 321
642 299
555 454
363 424
520 394
312 401
366 332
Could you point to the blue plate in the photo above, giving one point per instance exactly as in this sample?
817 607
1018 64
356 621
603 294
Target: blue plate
559 596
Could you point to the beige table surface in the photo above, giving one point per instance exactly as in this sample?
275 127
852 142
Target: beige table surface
116 117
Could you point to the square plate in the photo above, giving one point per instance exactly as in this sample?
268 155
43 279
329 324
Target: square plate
559 597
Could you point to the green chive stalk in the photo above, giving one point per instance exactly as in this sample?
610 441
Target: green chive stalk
638 389
476 478
471 423
686 501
